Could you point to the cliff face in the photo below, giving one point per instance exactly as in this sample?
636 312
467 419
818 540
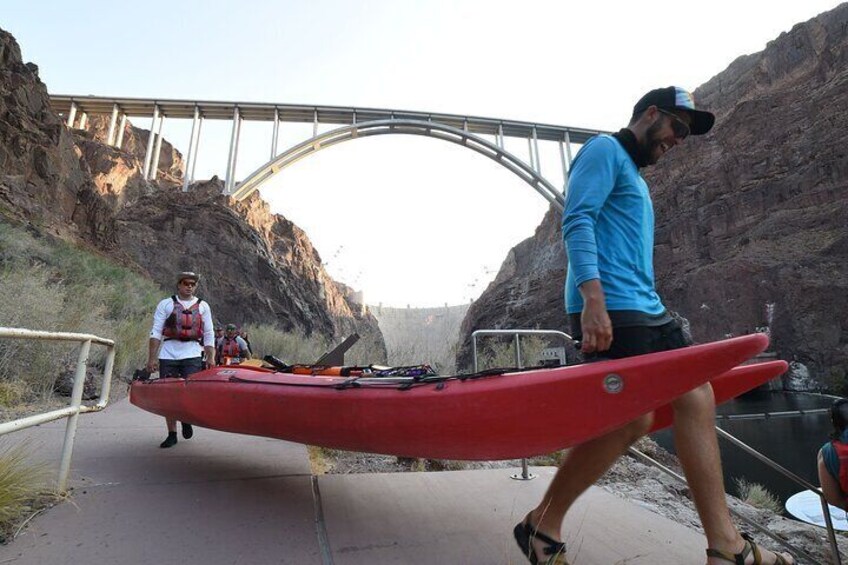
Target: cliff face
42 180
750 218
117 173
257 267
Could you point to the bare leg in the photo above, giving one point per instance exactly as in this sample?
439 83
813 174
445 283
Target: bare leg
172 425
697 449
582 466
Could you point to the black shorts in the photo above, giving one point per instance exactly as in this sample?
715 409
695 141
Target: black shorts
639 340
179 368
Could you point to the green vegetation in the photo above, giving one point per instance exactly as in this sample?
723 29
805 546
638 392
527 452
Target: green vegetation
757 496
23 488
50 285
289 347
496 352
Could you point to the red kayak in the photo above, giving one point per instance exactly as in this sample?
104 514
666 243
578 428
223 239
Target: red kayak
471 417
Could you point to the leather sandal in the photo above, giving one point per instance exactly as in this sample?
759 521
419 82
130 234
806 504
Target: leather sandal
554 550
750 547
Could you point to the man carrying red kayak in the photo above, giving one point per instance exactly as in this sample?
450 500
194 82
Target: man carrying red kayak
614 309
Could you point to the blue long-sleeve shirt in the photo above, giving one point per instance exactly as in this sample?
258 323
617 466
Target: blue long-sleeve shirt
608 229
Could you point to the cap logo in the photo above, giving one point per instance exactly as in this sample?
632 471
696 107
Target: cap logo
684 99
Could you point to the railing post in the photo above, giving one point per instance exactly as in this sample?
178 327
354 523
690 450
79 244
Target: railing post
474 348
106 387
517 351
71 427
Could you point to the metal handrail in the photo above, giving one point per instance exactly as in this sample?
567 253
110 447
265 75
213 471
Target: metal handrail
760 528
770 415
517 334
525 471
76 407
831 533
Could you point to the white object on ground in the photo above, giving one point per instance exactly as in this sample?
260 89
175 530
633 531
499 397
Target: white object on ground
806 506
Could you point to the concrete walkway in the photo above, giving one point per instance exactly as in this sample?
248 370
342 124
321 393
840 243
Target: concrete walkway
229 499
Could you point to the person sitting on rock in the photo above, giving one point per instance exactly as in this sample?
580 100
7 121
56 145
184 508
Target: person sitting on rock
833 458
232 349
182 334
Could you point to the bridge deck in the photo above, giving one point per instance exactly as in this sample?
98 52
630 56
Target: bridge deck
260 111
230 499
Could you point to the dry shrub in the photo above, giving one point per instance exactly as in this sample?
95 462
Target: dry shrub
758 496
12 393
57 287
23 486
499 351
289 346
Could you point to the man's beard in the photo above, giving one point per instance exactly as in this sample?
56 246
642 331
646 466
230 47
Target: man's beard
648 145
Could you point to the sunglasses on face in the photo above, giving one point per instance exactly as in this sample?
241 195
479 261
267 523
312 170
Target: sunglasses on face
188 283
679 127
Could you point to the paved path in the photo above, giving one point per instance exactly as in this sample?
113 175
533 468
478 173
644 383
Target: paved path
227 499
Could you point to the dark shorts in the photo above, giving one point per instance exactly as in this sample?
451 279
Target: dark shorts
638 340
180 368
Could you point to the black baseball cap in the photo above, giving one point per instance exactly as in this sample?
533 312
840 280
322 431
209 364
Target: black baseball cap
676 98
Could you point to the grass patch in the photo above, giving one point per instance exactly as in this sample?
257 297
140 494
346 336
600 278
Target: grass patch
24 488
321 459
550 460
758 496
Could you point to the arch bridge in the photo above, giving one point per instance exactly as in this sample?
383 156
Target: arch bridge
483 135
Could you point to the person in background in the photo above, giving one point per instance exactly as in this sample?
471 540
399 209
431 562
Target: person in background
232 349
219 331
182 341
246 339
833 458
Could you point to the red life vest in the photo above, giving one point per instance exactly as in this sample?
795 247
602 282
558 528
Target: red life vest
184 324
842 453
229 347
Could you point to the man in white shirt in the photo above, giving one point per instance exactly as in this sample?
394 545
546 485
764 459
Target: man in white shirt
182 333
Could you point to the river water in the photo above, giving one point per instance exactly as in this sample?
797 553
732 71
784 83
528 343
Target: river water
793 441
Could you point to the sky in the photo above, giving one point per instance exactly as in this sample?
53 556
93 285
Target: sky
408 220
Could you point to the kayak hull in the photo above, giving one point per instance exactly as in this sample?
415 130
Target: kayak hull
506 416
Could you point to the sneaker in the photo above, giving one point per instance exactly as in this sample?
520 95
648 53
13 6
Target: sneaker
170 441
187 431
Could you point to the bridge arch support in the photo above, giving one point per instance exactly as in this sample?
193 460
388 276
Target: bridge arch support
404 127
